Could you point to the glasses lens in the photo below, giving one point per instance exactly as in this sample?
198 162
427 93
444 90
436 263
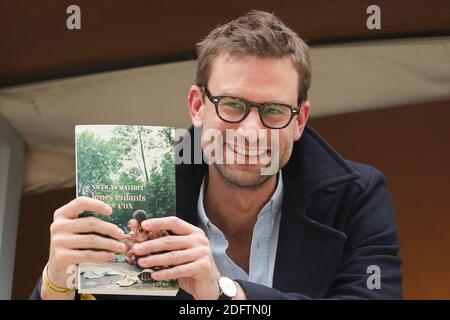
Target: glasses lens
275 115
231 109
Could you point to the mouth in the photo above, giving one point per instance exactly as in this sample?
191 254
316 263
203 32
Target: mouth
248 152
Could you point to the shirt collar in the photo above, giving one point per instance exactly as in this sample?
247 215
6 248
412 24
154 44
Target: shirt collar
273 205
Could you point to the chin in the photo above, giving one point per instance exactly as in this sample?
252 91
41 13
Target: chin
242 175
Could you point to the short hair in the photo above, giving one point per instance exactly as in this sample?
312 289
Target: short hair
260 34
140 215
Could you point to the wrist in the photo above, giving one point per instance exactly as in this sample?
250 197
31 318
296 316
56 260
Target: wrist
47 294
240 293
228 288
54 275
52 289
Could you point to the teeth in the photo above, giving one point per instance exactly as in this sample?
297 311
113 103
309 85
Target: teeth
248 152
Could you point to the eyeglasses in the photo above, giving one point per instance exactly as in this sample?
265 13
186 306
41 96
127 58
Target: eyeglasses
235 110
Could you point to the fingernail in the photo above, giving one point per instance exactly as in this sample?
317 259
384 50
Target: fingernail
145 223
108 209
138 247
120 233
142 263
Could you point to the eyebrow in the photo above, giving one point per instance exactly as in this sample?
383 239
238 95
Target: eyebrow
226 93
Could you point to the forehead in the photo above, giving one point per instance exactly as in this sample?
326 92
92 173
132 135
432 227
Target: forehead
253 77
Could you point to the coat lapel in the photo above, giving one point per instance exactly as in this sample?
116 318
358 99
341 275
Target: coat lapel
308 252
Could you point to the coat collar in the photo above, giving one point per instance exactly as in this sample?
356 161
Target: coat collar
314 165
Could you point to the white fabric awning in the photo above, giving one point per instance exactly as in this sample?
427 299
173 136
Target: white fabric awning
346 78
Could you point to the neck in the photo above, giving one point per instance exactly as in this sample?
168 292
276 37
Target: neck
232 209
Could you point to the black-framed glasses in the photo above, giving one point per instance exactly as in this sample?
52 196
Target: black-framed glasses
234 110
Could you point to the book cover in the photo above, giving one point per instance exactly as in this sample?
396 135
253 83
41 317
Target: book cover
132 169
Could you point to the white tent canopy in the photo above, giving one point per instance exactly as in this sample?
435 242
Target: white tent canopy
346 78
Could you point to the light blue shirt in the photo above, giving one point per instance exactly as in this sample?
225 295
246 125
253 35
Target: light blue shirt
264 241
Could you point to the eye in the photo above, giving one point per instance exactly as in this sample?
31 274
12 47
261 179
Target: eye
270 110
233 104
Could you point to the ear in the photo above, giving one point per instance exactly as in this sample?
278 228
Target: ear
302 119
195 105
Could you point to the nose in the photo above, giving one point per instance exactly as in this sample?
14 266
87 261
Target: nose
251 127
252 121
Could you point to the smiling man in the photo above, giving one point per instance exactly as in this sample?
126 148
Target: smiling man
312 228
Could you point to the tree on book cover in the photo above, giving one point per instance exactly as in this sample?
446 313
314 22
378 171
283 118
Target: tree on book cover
132 169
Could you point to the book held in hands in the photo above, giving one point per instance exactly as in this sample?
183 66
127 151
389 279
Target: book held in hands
132 169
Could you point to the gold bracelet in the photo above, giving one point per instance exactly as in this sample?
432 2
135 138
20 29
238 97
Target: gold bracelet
53 287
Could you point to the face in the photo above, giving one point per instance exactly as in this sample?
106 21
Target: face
132 225
257 80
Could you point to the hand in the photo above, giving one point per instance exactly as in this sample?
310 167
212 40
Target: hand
71 243
189 255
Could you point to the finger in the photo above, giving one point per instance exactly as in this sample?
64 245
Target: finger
89 241
167 243
70 256
174 224
177 272
81 204
87 225
171 258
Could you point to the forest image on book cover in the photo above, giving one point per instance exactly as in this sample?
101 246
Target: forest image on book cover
132 169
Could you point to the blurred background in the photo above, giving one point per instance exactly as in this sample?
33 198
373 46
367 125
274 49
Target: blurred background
378 96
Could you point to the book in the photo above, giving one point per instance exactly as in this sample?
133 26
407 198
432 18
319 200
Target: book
132 169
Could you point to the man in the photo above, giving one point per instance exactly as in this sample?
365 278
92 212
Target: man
322 227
